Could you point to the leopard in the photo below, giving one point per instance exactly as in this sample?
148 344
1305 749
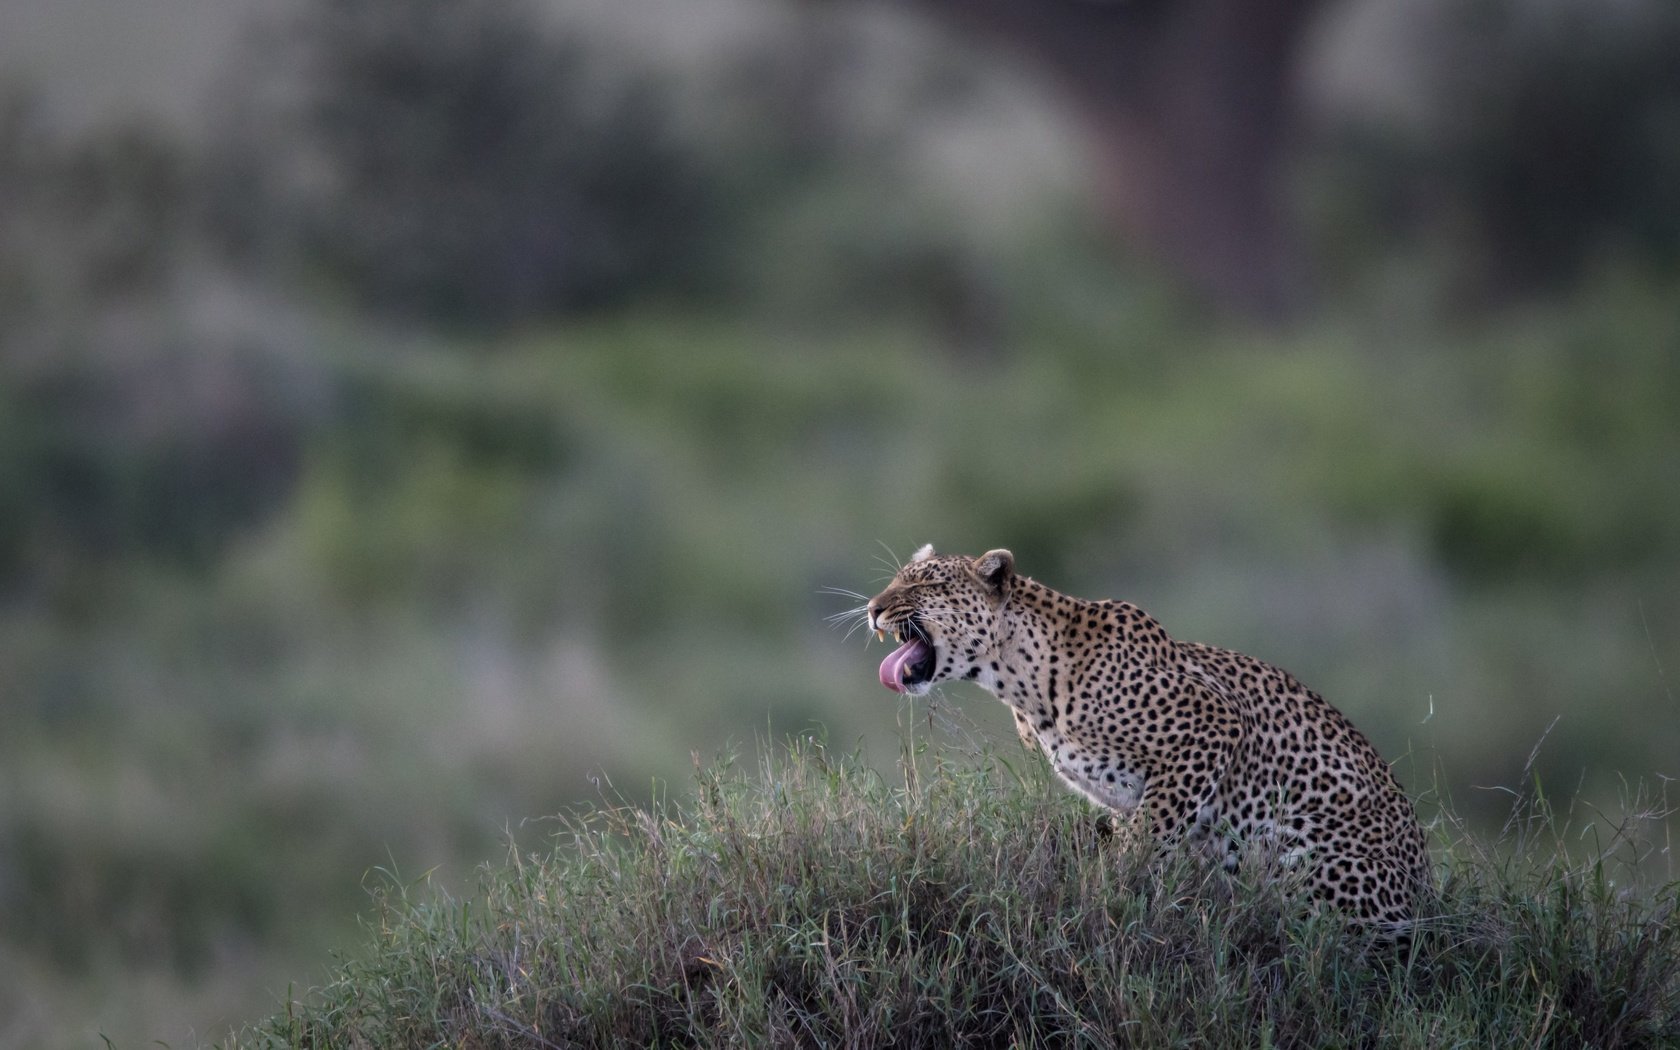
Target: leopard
1184 742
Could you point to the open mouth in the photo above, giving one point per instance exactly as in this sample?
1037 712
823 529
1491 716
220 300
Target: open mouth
912 663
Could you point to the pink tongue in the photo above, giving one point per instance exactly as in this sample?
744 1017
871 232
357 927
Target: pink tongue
892 668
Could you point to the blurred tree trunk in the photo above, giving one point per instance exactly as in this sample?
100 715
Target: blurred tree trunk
1190 105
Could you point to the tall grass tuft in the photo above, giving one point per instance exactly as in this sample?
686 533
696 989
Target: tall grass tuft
813 902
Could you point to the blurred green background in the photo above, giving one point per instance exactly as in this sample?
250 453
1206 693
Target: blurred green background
421 416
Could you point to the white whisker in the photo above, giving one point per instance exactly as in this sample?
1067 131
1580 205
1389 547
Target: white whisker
858 613
896 562
843 593
850 618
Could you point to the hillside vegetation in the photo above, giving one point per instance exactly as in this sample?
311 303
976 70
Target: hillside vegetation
814 902
480 403
500 568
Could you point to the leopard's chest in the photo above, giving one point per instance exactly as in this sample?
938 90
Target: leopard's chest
1096 772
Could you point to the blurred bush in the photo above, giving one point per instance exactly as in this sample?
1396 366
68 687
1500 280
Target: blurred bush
1540 143
1559 134
133 421
458 161
101 218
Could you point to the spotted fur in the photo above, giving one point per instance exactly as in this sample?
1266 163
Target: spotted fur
1200 744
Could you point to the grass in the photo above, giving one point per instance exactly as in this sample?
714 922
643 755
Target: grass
813 901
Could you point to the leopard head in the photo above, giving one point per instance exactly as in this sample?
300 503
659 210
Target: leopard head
945 610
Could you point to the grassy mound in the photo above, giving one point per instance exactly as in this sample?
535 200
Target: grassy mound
813 902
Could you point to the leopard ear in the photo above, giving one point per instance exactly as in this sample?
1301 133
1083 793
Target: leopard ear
995 568
923 553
